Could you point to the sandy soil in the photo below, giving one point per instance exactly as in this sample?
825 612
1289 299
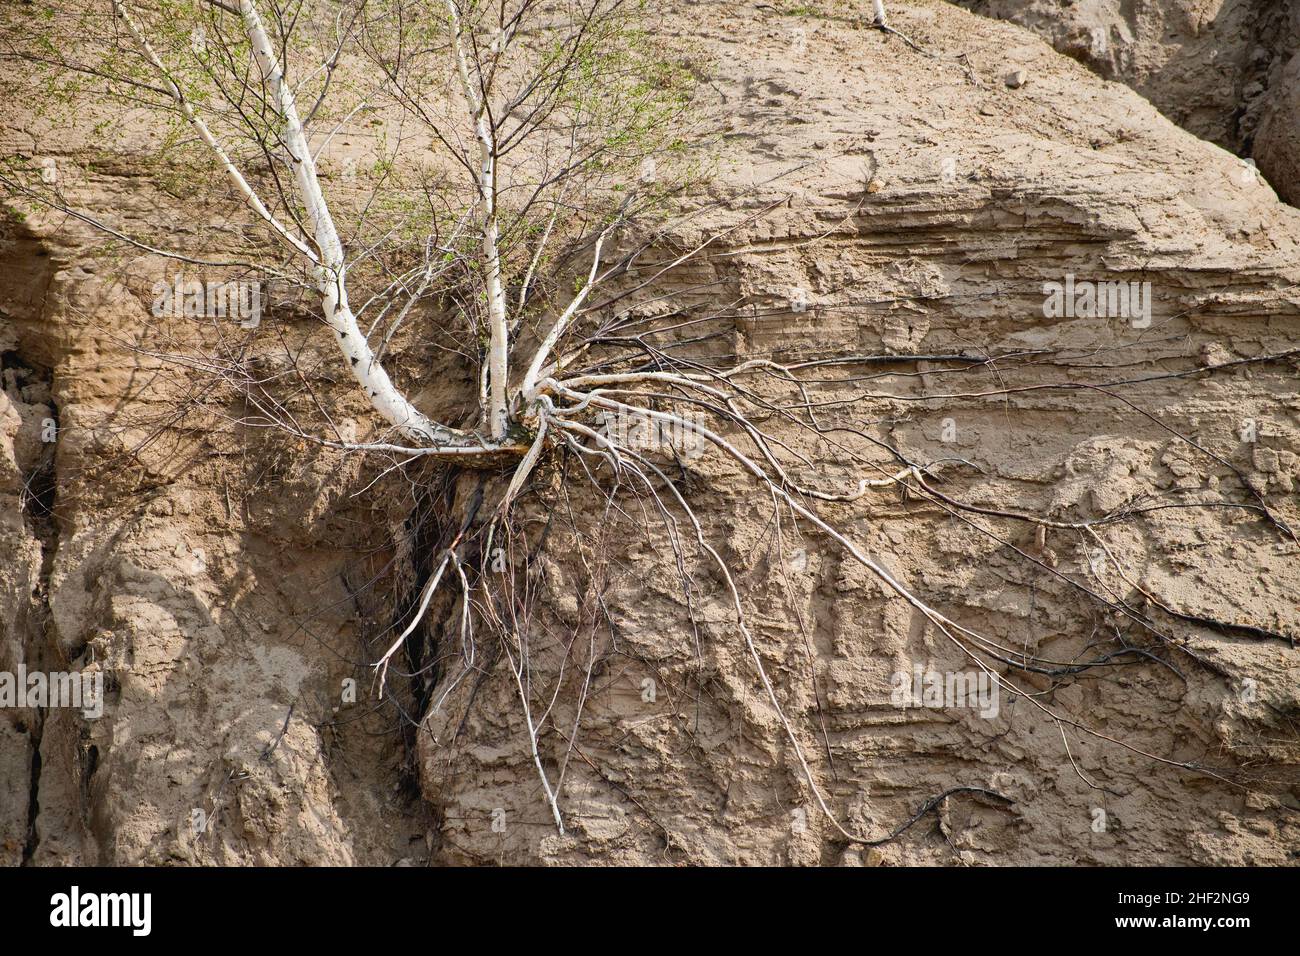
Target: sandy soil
918 203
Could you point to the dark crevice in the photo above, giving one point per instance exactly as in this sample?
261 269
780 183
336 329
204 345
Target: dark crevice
424 530
421 646
431 528
29 385
33 799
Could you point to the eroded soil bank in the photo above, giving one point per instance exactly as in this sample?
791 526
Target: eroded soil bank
917 204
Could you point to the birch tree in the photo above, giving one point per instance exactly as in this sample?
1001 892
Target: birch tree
530 143
505 93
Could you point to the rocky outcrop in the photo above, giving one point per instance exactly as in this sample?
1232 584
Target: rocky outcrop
1223 70
217 594
921 204
914 204
1276 146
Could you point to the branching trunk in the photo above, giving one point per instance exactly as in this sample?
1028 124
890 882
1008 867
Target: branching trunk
327 259
498 344
250 197
535 369
331 270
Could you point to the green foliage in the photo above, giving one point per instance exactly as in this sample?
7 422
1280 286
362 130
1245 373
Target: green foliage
602 94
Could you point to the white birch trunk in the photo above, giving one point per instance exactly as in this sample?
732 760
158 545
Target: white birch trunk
331 272
251 198
498 335
535 368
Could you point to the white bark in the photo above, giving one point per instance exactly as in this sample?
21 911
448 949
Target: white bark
498 344
548 344
331 270
328 258
251 198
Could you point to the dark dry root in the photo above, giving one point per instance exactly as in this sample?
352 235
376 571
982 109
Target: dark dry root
564 409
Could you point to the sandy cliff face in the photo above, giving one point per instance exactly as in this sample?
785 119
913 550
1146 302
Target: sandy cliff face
207 584
1227 70
913 204
933 204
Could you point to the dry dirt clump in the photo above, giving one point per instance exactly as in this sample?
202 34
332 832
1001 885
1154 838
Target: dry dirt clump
1227 70
1111 493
